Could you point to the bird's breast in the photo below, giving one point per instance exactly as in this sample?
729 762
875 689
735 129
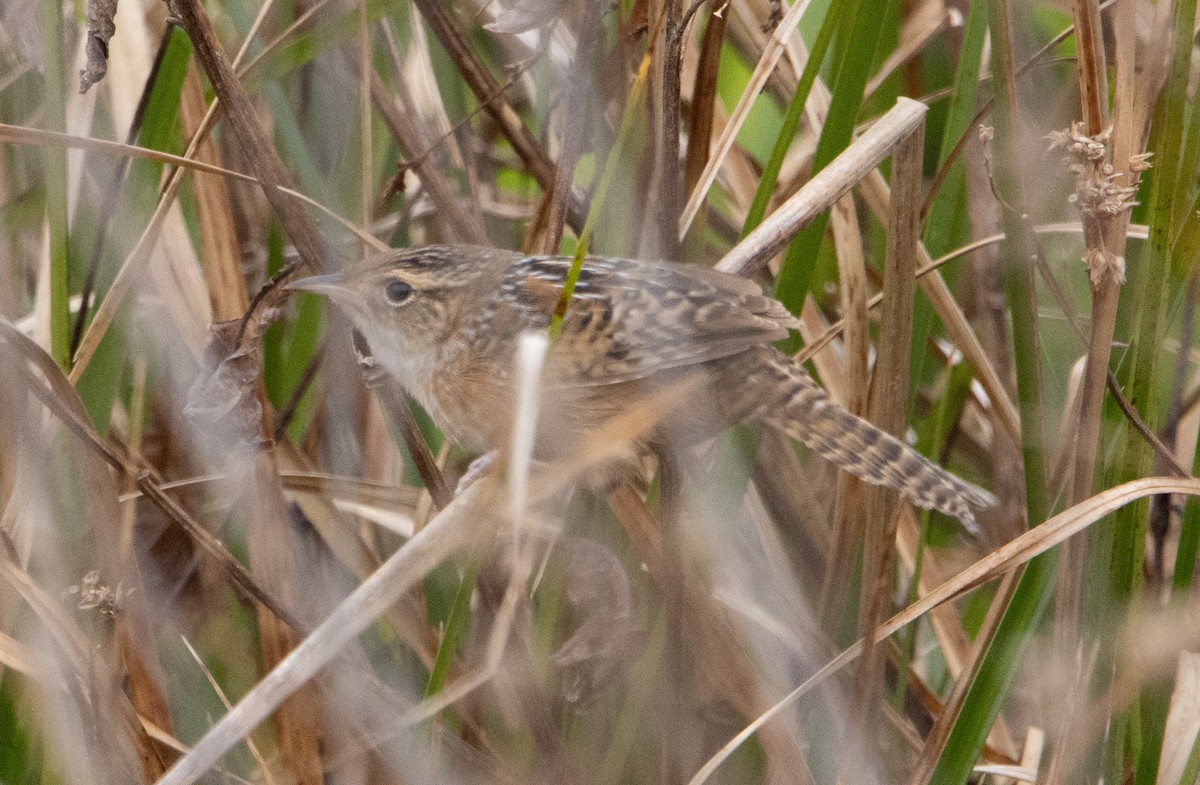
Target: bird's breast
470 396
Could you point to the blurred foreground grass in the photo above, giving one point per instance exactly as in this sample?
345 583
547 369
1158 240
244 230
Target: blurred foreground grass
176 518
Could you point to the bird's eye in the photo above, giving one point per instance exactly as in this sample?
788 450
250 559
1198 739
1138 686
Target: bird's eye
398 292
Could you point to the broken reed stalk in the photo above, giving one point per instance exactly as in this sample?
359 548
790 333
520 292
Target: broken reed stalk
889 402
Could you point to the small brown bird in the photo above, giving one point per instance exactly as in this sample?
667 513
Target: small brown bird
444 321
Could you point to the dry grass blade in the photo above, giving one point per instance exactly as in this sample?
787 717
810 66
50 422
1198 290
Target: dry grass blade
220 693
35 136
851 166
772 52
878 196
20 658
1105 237
458 526
62 400
1183 721
889 405
852 273
1010 556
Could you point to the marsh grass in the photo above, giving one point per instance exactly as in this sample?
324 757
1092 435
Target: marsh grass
182 506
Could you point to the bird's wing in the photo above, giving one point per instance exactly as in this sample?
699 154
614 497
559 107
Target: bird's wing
630 319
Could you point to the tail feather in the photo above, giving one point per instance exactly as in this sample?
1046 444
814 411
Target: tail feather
805 412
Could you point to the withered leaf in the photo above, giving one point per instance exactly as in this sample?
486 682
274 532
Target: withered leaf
223 401
100 28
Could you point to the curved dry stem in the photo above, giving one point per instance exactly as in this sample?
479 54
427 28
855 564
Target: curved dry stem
1007 557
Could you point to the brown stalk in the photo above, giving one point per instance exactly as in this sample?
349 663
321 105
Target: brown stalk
877 195
364 70
275 544
767 51
277 554
1107 235
852 276
1093 83
491 95
219 251
257 148
670 189
1105 291
889 406
704 96
455 224
1105 242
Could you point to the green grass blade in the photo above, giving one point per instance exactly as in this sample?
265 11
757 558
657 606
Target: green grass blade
55 178
791 120
860 29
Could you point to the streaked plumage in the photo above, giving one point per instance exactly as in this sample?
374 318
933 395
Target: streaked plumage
632 327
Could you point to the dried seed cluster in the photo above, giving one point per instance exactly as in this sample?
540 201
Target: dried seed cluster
1098 195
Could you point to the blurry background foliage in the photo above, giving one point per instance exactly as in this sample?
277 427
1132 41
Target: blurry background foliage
678 608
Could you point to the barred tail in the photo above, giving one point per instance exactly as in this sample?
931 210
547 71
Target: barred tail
805 412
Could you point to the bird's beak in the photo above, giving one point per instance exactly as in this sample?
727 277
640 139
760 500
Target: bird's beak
332 285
